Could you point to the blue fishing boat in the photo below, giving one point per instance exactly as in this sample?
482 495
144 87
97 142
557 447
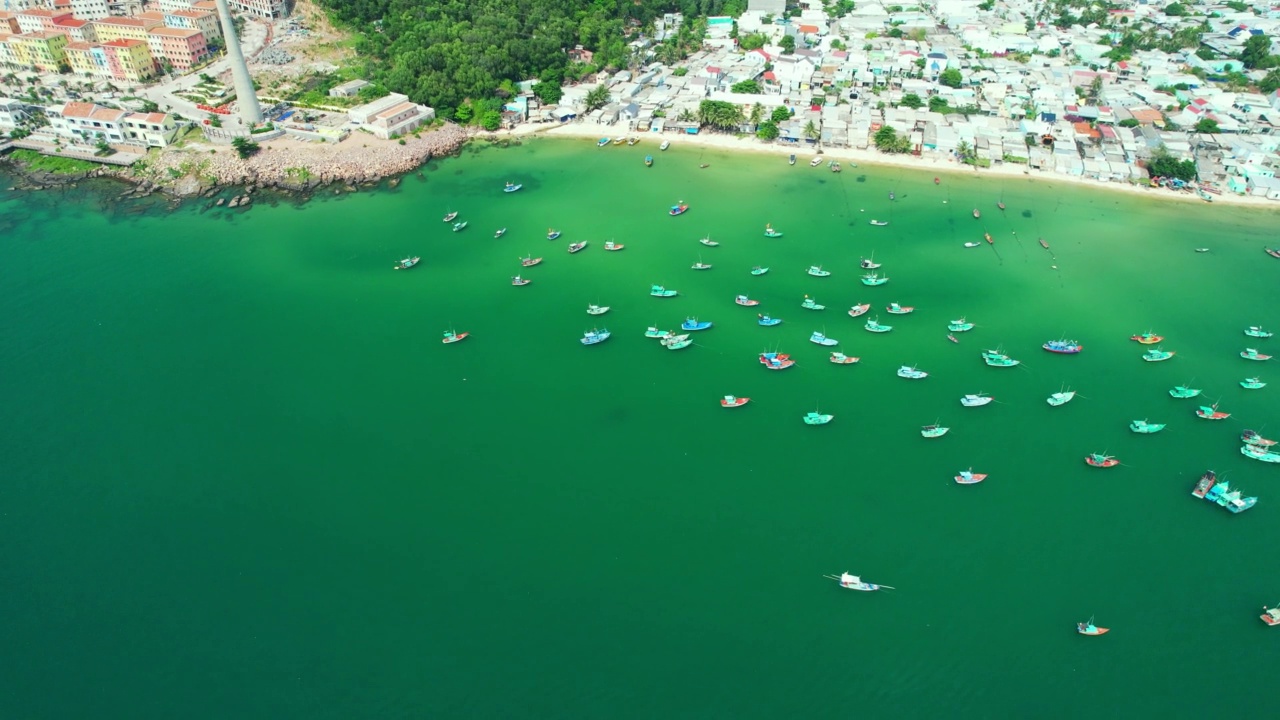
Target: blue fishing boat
692 323
767 321
552 234
660 291
602 142
648 161
821 339
512 188
1066 347
678 209
769 232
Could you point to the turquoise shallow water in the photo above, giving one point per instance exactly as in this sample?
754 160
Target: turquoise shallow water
245 479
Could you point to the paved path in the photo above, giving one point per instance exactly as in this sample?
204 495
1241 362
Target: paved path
254 37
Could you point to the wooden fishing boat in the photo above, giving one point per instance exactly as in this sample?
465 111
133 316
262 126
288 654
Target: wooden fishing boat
1157 355
976 213
769 232
1252 354
1252 383
1100 460
896 309
406 263
952 338
1253 438
1062 397
969 477
811 304
1090 629
612 246
693 323
660 291
517 281
1271 616
976 400
767 321
1044 244
988 238
840 358
868 263
595 337
1272 252
1065 347
857 310
934 431
682 344
673 340
873 325
1205 482
961 325
1260 453
911 373
745 301
701 266
730 401
552 234
873 279
577 247
817 271
1211 413
460 226
529 261
1182 391
1147 338
451 337
451 216
816 418
879 223
757 270
818 338
776 361
1258 332
708 242
654 332
597 309
1145 428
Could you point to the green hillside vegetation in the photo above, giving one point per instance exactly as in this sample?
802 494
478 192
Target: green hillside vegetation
458 52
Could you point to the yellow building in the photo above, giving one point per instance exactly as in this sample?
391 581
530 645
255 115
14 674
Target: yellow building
124 28
130 60
45 51
87 59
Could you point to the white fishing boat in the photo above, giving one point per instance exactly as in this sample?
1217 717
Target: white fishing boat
910 373
597 309
853 582
817 271
1062 397
665 144
820 339
975 400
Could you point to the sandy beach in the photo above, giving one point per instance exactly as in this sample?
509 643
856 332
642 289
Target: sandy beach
932 163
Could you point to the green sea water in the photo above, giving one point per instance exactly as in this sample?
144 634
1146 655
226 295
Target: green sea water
242 477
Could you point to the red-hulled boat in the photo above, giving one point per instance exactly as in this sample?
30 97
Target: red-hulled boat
1147 338
730 401
936 180
776 361
1253 438
1212 413
1207 480
857 310
1100 460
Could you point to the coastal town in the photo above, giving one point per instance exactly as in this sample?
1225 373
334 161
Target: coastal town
1159 95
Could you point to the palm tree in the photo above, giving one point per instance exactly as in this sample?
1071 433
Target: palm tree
811 131
757 114
964 149
685 116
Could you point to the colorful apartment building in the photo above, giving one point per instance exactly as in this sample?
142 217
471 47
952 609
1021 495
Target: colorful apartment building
41 19
90 9
182 49
7 56
129 60
124 28
202 20
87 59
77 30
45 51
150 129
9 23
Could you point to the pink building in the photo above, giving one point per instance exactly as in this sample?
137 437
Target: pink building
40 19
181 48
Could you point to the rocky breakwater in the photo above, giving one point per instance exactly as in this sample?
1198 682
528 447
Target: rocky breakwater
289 164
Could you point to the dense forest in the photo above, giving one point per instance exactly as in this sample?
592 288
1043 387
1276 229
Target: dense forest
454 52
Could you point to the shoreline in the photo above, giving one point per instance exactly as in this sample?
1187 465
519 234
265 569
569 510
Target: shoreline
937 164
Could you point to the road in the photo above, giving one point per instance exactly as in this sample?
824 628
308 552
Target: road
255 36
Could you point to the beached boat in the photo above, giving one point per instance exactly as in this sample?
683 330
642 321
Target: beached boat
406 263
873 325
1182 391
692 323
879 223
510 188
1271 616
602 142
1258 332
529 261
648 161
1251 354
595 337
577 247
840 358
597 309
517 280
708 242
1066 347
1044 244
776 361
874 279
701 266
1253 438
769 232
1157 355
453 337
811 304
612 246
1258 453
730 401
821 339
911 373
633 141
1211 413
552 234
1252 383
1145 428
670 340
1205 482
853 582
767 321
1147 338
896 309
660 291
934 431
1062 397
665 144
679 345
654 332
678 209
1090 629
868 263
619 141
969 477
815 162
835 166
757 270
451 216
817 271
1100 460
460 226
1272 252
857 310
815 418
960 325
998 359
499 233
791 160
976 213
976 400
745 301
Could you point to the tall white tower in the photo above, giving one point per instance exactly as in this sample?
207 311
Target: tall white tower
246 99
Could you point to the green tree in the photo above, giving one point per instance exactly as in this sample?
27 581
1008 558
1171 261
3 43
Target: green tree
754 41
215 120
548 93
780 114
757 114
912 101
964 150
720 115
811 131
1175 10
464 113
1270 83
886 139
788 44
245 147
1164 164
748 87
951 77
1257 52
767 131
491 120
1129 123
598 97
1206 125
938 104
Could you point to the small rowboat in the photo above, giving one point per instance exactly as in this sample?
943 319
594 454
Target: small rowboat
1251 354
952 338
988 238
665 144
1090 629
453 337
730 401
612 246
840 358
648 161
857 310
971 244
1044 244
450 216
1100 460
1272 252
937 180
517 280
745 301
499 233
576 247
879 223
553 234
529 261
757 270
976 214
969 477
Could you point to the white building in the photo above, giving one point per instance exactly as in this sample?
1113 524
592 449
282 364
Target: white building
90 9
81 122
12 112
391 116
